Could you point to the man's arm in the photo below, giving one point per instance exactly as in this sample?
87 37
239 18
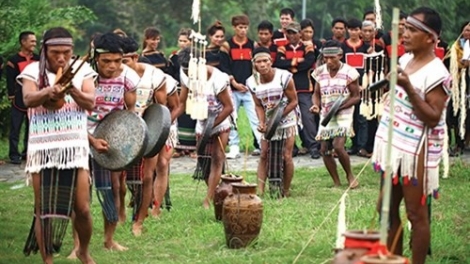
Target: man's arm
33 97
86 97
430 109
173 104
183 96
308 60
291 98
160 94
354 95
11 73
316 95
130 98
281 61
226 101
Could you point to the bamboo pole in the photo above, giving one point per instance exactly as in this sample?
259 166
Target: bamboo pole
388 167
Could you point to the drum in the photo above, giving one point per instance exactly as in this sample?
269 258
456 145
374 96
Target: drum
274 120
206 134
158 120
333 111
126 135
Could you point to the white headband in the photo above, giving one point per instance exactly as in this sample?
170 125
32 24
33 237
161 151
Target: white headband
59 42
420 25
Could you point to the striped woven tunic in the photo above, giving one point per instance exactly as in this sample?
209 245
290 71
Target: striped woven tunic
410 135
270 95
57 138
332 88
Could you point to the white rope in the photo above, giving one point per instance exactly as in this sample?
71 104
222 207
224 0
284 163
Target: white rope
328 216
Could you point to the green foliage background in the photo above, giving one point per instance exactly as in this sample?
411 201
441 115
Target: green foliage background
85 17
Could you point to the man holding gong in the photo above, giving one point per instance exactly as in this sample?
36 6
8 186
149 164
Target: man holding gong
271 87
336 93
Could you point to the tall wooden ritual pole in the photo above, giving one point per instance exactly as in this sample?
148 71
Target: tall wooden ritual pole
387 187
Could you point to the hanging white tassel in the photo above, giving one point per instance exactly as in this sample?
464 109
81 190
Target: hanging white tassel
378 15
454 71
196 9
445 156
463 102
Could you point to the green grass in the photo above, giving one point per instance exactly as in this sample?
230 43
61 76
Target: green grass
189 234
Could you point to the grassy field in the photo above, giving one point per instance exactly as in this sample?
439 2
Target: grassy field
190 234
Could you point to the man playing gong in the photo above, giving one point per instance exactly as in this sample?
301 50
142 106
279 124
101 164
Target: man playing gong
271 87
335 81
57 156
218 95
151 88
116 90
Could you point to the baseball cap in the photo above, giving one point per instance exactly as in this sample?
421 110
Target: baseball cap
293 26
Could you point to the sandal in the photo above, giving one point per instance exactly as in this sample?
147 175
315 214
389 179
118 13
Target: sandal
193 155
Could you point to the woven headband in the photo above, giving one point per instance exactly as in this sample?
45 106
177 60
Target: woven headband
420 25
130 54
261 54
59 42
332 51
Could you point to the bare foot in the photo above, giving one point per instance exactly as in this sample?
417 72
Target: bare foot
73 254
137 229
206 204
114 246
156 212
353 183
84 258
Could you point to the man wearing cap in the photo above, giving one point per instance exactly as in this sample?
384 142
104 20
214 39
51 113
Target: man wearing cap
299 58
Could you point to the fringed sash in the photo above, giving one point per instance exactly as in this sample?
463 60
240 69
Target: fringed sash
57 197
104 191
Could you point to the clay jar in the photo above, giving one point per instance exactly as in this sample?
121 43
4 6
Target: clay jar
357 244
242 215
223 189
390 259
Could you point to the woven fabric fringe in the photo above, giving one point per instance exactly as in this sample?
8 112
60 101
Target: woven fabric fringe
334 133
57 199
104 192
134 176
283 133
60 158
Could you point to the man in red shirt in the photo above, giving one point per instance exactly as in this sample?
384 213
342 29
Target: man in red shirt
15 66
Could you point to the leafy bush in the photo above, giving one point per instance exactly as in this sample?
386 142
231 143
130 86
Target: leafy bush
36 16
